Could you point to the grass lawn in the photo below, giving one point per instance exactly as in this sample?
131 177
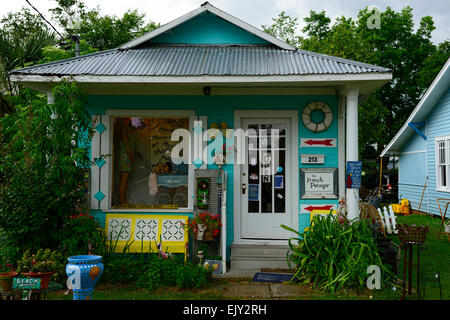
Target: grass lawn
436 258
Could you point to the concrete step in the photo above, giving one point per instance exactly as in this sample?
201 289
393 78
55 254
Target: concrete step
249 256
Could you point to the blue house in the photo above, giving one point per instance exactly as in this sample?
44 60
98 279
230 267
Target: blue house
423 148
210 70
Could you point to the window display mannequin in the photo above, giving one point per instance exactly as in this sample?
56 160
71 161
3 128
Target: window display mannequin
127 155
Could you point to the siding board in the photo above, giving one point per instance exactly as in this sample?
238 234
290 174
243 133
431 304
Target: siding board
411 166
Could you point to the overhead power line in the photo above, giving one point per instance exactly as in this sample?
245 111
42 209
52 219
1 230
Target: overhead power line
73 37
44 18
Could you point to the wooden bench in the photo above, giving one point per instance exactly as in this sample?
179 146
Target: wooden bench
141 233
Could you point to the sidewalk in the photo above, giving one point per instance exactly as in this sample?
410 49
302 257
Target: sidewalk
239 284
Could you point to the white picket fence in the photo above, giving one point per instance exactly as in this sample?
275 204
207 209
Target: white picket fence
389 220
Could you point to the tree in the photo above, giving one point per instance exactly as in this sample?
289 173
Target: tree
284 28
433 64
411 55
101 32
22 37
41 171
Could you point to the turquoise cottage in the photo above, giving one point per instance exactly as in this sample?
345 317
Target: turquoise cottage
423 149
208 69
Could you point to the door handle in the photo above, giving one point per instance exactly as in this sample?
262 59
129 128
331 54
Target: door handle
244 186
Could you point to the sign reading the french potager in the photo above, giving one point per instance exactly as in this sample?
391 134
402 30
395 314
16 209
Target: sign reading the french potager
353 174
318 183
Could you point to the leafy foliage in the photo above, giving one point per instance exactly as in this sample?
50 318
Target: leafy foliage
42 167
22 37
410 54
101 32
122 268
43 261
79 234
210 222
171 272
334 255
284 27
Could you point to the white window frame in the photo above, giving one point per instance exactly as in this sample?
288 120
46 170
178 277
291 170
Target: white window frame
446 140
111 114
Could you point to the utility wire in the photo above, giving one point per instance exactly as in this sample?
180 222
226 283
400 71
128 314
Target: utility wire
44 19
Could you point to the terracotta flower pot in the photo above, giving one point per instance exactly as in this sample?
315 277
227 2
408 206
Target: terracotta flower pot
6 279
45 278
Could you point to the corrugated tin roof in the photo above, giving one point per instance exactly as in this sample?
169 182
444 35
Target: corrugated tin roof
190 60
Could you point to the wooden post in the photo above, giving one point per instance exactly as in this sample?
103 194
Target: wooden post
381 172
423 191
352 195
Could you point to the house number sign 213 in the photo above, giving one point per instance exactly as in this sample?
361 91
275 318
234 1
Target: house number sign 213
313 158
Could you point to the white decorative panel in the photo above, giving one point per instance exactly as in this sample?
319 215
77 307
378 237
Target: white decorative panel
119 229
146 229
95 170
105 174
172 230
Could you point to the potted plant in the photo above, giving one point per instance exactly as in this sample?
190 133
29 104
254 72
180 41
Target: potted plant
204 226
214 262
7 274
44 264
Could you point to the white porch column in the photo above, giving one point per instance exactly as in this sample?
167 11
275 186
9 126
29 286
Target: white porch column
352 195
51 100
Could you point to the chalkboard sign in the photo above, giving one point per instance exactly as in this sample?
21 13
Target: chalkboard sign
353 175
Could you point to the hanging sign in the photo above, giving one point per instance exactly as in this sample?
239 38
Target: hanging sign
313 158
353 175
318 142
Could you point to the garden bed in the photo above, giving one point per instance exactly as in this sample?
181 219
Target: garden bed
436 257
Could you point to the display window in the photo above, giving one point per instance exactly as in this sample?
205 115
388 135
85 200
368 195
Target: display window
144 175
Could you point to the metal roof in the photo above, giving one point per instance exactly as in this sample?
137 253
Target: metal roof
192 60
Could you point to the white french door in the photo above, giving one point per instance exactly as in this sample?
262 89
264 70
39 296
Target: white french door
266 179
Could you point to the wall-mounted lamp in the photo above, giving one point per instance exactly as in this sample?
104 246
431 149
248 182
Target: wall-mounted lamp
206 91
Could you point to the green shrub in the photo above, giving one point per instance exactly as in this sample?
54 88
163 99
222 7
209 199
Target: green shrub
122 268
43 261
193 276
171 272
333 255
78 235
41 170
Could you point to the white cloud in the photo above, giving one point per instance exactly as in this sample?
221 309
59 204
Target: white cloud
284 5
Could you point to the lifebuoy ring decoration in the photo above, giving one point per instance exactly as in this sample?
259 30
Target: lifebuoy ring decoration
317 126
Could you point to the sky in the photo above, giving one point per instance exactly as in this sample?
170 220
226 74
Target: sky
257 12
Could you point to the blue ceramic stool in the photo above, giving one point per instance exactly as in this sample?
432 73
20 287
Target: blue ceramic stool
84 272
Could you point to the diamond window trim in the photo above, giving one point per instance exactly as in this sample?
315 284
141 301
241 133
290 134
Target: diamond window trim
100 128
99 196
